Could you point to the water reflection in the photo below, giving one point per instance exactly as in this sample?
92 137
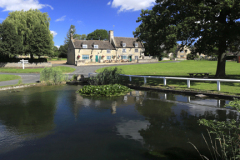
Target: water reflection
140 125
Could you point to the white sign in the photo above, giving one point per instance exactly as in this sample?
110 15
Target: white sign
23 62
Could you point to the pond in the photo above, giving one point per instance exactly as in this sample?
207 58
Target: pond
55 122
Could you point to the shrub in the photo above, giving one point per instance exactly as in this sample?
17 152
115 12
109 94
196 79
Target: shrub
227 136
192 56
107 76
52 76
104 90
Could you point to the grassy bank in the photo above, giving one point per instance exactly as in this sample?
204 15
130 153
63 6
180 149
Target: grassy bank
34 70
180 70
5 77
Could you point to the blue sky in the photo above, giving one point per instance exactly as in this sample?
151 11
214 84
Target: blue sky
86 15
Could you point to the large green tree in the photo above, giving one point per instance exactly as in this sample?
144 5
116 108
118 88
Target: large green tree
101 34
11 42
27 26
207 24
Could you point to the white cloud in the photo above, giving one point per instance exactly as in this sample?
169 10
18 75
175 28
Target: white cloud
60 19
57 46
13 5
53 33
132 5
79 22
109 3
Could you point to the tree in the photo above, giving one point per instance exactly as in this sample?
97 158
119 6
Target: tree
40 43
80 37
11 42
207 24
72 30
101 34
55 51
63 51
26 24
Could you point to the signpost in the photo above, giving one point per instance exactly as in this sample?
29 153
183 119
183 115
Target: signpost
23 61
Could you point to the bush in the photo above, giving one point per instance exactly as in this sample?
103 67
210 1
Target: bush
192 56
52 76
104 90
107 76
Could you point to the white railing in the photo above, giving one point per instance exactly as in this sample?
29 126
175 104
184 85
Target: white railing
181 78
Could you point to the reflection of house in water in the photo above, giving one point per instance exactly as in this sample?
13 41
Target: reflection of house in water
130 129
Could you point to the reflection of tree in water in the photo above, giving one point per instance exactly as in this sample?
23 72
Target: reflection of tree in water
168 133
29 113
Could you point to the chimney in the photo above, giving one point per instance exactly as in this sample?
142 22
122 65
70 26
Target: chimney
71 36
111 37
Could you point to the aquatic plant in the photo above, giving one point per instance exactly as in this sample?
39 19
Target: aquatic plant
226 145
104 90
52 76
107 76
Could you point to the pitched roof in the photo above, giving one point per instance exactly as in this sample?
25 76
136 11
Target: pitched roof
129 42
90 44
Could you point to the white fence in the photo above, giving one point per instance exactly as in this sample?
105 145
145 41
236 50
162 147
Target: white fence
181 78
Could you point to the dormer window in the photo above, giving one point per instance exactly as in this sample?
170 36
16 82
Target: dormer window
95 46
108 51
136 44
84 46
124 44
124 50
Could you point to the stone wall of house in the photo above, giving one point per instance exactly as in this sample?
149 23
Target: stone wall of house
27 65
71 54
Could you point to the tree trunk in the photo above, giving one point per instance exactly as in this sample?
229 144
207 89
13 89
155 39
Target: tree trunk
221 66
31 55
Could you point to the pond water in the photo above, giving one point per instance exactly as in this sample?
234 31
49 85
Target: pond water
55 122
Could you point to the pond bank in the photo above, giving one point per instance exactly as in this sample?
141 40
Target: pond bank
183 91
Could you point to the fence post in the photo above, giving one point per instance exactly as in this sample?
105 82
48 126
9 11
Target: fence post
145 80
130 78
218 85
188 83
164 81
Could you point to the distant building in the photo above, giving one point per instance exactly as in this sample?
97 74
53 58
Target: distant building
116 49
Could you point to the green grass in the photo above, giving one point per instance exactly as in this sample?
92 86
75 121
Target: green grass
180 70
34 70
5 77
57 59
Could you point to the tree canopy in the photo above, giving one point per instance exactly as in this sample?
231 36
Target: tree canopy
29 31
101 34
208 25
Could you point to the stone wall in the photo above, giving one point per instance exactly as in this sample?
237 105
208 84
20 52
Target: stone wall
26 65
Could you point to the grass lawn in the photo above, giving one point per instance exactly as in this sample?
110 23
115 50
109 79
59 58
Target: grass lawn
5 77
180 70
57 59
35 70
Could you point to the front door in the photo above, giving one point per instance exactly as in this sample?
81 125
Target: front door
99 59
130 58
96 58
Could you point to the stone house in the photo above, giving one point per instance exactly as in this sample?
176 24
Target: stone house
117 49
183 52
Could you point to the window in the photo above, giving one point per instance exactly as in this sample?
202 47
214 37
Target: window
124 50
108 57
181 51
136 57
84 46
85 56
181 56
136 50
95 46
124 44
108 51
185 51
123 57
136 44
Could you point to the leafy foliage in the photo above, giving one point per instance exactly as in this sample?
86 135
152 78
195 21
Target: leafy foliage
206 24
104 90
227 135
192 56
107 76
101 34
30 31
52 75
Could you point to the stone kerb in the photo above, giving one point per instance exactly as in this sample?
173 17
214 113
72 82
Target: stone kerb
27 65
